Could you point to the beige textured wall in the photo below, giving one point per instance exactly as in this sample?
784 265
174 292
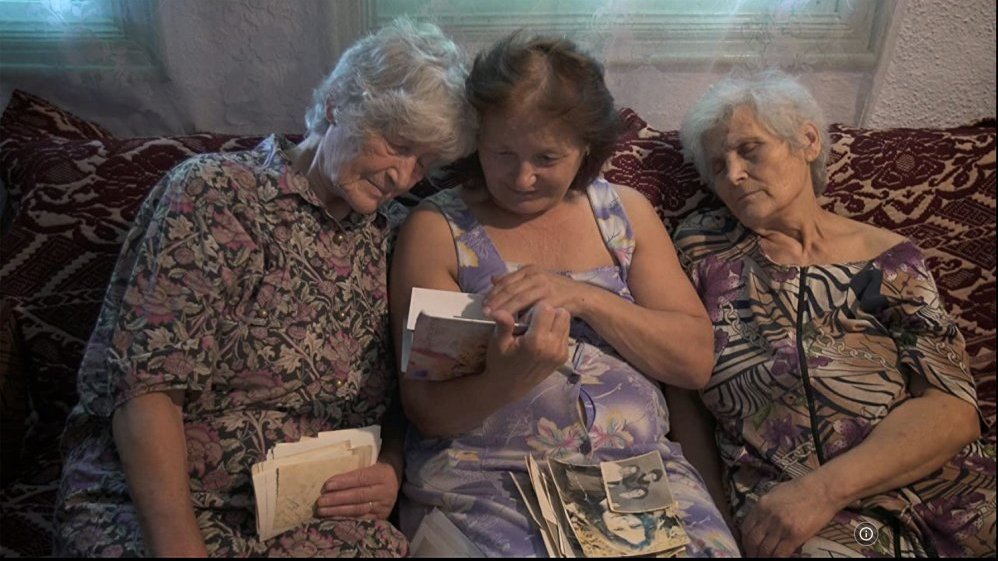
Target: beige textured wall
941 71
937 69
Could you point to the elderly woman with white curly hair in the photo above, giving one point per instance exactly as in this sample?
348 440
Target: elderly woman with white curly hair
846 417
249 308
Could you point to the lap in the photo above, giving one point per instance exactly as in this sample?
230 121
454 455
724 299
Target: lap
112 530
852 534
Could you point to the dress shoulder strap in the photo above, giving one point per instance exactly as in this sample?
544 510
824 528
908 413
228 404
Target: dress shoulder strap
613 223
477 257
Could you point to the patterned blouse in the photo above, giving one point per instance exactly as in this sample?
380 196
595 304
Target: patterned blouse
237 288
810 359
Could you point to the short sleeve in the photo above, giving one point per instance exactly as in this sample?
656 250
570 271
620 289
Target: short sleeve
692 268
704 244
164 305
687 239
929 343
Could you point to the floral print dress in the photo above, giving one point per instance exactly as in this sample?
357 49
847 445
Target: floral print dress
236 288
810 359
597 407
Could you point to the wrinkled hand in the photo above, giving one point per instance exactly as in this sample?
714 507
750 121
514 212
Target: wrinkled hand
367 493
522 361
788 515
520 290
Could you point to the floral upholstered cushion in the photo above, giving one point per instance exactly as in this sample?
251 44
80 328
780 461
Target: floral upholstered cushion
77 195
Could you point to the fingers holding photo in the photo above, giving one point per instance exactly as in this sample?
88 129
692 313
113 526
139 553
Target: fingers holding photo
547 334
518 292
368 493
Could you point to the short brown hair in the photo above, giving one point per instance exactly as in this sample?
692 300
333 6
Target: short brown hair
560 80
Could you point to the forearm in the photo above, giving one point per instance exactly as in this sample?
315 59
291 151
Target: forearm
910 443
149 435
672 347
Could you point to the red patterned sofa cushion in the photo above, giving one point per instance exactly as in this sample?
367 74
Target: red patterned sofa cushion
78 198
28 119
13 394
651 161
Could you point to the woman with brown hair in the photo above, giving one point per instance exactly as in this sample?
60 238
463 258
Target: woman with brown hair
611 313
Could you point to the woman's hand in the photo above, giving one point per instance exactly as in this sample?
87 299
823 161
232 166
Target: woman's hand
788 515
367 493
523 361
520 290
514 365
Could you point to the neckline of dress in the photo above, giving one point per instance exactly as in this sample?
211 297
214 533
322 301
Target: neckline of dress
514 266
756 248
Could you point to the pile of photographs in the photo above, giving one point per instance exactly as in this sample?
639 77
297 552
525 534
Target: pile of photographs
621 508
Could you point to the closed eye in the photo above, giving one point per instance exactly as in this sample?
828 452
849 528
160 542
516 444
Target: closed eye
425 164
548 159
398 149
748 148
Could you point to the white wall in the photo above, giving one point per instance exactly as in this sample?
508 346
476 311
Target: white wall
937 69
941 71
236 66
248 66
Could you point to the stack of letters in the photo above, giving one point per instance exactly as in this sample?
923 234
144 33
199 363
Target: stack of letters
614 509
290 480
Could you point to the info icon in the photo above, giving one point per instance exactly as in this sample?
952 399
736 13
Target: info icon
866 534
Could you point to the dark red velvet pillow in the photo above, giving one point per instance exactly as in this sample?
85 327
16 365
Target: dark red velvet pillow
30 119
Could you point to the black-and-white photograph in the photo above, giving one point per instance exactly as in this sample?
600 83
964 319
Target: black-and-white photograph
602 532
636 484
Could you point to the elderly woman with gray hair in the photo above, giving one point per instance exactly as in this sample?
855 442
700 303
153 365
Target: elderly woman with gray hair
249 308
846 417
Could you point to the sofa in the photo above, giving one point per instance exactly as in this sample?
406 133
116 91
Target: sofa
73 189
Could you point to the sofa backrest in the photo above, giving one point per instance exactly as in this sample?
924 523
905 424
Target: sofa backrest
77 188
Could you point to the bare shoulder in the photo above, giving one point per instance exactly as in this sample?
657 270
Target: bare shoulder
425 254
637 206
867 239
649 230
425 220
424 232
630 196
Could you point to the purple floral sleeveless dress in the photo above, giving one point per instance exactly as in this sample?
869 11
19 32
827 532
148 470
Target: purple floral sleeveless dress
597 407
